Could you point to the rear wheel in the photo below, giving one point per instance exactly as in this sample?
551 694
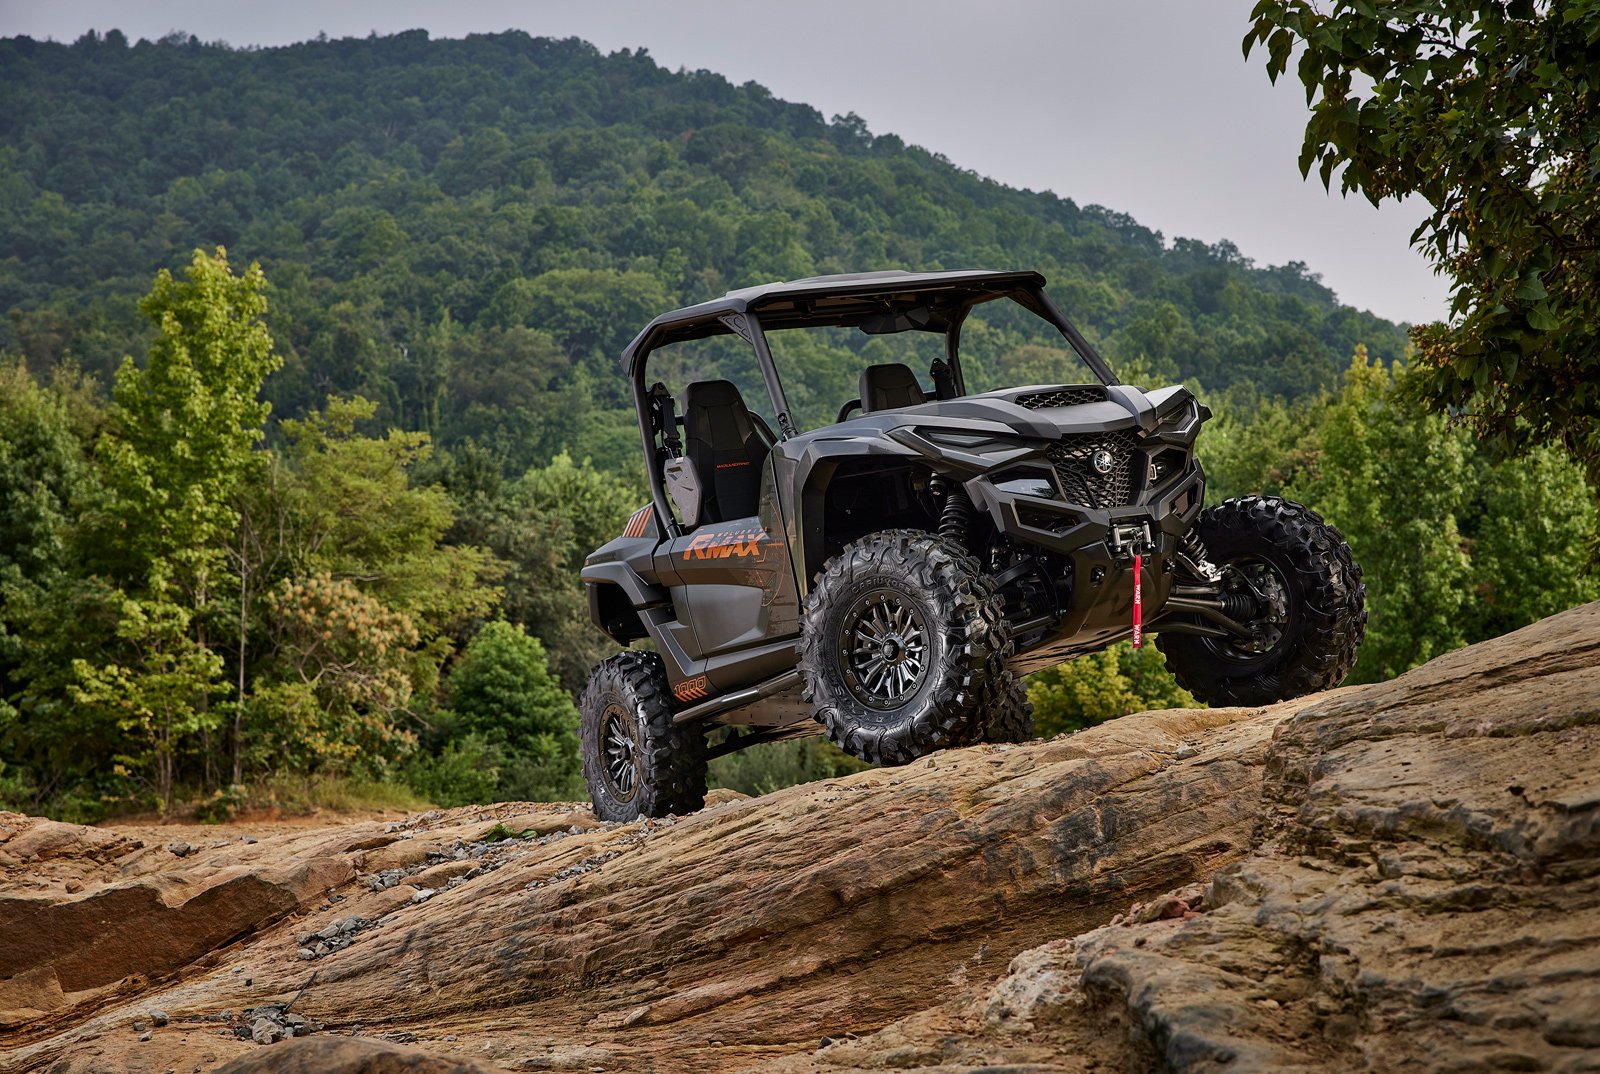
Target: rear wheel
636 761
899 642
1310 606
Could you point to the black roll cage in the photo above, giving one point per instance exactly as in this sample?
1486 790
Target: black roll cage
854 302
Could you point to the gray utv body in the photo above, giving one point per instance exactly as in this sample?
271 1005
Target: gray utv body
1067 484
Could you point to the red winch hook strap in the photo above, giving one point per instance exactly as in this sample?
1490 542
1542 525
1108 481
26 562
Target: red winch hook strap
1138 606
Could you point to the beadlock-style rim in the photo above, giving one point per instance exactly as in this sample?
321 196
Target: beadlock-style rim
883 651
619 752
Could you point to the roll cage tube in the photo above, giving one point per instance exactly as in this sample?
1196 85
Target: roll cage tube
1074 337
769 373
747 326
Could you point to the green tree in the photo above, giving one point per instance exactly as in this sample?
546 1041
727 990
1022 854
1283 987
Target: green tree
541 527
47 479
1490 113
43 470
185 424
502 694
363 599
358 516
1101 686
1532 517
1394 480
180 444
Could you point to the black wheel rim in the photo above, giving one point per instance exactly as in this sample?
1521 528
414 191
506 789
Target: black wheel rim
1266 583
619 753
883 649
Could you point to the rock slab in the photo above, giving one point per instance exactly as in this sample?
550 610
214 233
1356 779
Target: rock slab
1424 896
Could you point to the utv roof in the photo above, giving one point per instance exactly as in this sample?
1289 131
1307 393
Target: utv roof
872 301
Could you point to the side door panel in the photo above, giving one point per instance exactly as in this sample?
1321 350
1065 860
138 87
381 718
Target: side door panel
738 579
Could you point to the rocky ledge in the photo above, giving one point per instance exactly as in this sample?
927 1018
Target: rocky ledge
1400 876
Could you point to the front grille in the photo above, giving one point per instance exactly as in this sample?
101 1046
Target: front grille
1061 397
1073 459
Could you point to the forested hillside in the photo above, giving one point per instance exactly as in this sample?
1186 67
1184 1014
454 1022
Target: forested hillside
467 231
372 578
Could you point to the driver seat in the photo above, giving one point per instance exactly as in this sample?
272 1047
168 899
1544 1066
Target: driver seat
721 438
885 387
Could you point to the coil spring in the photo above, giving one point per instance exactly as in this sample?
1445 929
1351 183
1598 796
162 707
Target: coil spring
1192 553
955 518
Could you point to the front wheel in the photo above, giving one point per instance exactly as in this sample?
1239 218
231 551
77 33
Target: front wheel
636 761
898 646
1310 617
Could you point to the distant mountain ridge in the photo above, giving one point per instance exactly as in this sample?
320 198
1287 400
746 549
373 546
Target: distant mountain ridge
468 230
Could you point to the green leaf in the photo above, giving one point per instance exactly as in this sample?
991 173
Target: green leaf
1532 289
1540 318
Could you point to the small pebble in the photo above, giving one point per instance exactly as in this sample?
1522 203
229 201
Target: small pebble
247 839
180 849
422 895
146 1035
158 1017
305 954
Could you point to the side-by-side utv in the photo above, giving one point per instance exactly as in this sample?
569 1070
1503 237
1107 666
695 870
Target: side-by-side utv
886 577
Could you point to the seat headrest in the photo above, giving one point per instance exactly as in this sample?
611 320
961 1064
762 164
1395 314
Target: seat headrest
885 387
714 411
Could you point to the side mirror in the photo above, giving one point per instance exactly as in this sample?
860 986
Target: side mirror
683 485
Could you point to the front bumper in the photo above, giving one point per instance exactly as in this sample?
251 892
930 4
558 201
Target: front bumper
1098 546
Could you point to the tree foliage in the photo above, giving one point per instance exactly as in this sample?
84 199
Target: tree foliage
1490 113
508 211
181 579
179 443
501 695
1101 686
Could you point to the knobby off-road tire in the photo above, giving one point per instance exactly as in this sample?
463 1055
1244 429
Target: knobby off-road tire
1291 553
636 762
1005 713
898 644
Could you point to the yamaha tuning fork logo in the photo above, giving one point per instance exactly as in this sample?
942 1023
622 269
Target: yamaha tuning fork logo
1102 461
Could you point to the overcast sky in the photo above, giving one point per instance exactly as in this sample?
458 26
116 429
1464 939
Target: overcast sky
1144 106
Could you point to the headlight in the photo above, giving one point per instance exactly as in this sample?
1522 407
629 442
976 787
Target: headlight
1167 464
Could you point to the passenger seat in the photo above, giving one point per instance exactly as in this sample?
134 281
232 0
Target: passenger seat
721 439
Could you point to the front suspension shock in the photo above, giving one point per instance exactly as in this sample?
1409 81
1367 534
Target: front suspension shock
956 516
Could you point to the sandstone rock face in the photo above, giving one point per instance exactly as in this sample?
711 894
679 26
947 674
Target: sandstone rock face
706 942
1425 896
1388 877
